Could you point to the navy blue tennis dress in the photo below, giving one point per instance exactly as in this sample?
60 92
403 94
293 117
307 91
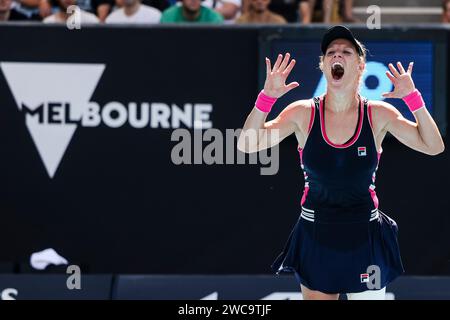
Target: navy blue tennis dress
340 231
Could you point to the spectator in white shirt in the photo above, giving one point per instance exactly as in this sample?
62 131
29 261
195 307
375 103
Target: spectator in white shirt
133 11
63 15
229 9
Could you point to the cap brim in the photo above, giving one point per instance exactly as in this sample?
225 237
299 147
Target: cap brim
339 32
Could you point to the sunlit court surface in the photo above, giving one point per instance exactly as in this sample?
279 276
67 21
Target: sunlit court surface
228 158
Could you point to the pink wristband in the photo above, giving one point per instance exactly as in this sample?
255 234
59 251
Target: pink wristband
414 100
264 103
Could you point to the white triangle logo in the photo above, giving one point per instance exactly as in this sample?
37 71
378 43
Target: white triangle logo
35 84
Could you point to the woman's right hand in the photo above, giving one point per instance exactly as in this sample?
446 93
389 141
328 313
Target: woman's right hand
275 85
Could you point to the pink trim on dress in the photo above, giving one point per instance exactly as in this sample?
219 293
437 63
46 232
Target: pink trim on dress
369 114
306 189
311 117
311 121
369 110
305 194
373 194
355 137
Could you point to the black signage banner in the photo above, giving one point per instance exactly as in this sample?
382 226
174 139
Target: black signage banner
54 287
118 151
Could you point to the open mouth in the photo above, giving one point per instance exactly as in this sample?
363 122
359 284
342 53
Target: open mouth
337 71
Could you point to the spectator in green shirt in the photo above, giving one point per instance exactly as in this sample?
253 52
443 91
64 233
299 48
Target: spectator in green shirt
190 11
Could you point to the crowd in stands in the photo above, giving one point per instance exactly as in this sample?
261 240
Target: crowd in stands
186 11
179 11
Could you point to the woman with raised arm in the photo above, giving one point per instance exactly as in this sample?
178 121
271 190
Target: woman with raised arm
342 242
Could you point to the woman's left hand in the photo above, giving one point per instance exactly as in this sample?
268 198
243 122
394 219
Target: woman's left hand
402 81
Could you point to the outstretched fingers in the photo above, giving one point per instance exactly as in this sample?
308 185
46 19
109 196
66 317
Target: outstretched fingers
390 76
275 84
268 67
400 67
292 85
393 70
289 68
393 80
277 63
410 67
283 64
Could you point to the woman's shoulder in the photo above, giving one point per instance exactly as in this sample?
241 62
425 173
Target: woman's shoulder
300 112
304 104
382 108
299 107
381 113
379 103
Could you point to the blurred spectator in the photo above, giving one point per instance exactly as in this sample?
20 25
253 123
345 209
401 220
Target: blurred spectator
229 9
29 8
161 5
320 11
347 11
8 13
45 8
61 16
291 10
190 11
101 8
446 11
258 12
328 11
134 12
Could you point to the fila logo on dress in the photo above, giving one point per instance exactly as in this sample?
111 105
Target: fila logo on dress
362 151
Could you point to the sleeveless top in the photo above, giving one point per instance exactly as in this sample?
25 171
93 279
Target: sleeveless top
339 176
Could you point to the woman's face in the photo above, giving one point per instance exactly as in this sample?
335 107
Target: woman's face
342 65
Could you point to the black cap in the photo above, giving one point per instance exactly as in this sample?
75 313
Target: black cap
339 32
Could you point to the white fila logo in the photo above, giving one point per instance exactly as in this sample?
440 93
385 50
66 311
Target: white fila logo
362 151
55 99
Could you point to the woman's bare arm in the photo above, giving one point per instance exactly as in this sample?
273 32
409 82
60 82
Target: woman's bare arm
422 135
257 134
